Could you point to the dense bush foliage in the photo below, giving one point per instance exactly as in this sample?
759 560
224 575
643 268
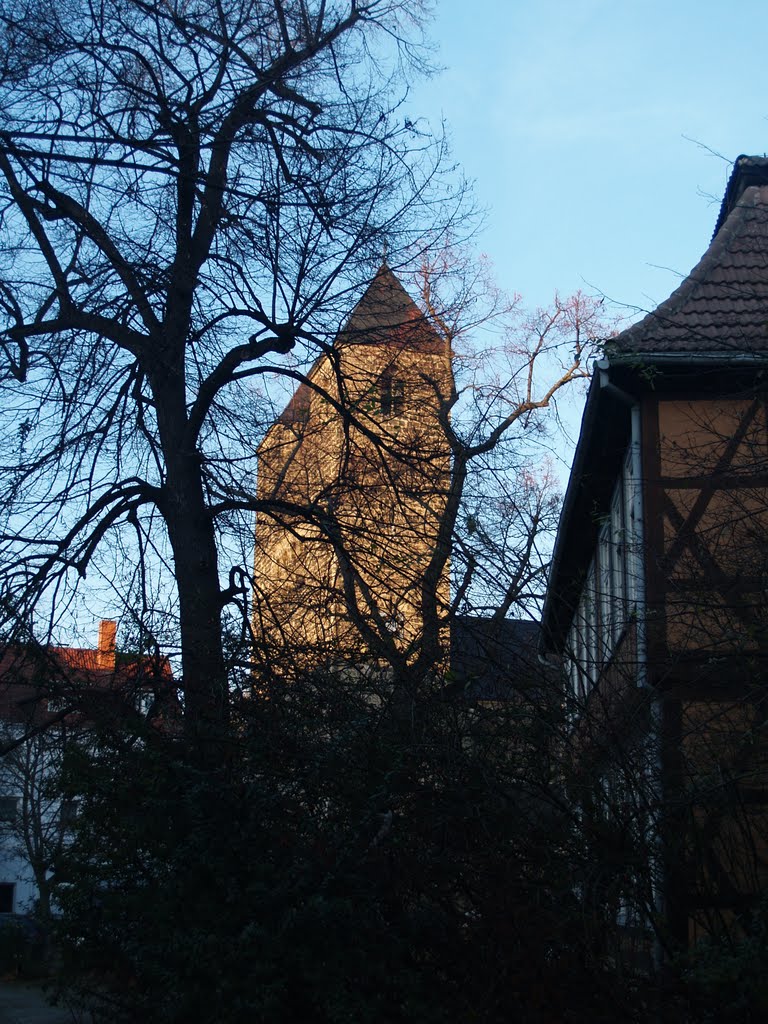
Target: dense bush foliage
356 858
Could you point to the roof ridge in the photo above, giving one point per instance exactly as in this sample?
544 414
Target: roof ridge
747 171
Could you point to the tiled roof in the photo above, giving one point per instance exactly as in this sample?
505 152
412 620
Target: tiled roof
387 315
76 677
297 409
722 306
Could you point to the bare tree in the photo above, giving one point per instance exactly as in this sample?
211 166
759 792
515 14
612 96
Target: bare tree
505 423
192 197
189 194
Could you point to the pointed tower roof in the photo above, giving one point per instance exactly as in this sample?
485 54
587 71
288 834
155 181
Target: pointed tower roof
387 315
722 306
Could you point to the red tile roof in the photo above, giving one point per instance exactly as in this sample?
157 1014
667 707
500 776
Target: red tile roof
79 678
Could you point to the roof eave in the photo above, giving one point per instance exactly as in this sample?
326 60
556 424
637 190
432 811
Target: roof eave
588 420
687 358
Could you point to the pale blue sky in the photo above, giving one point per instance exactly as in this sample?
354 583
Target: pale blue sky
572 119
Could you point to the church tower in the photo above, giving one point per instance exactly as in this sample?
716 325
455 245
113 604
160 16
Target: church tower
352 488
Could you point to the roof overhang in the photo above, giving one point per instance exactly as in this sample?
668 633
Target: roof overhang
605 428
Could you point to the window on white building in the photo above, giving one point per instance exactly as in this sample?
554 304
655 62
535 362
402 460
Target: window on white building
145 701
7 893
9 808
606 597
627 488
606 608
619 551
591 619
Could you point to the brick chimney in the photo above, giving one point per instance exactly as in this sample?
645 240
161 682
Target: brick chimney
105 653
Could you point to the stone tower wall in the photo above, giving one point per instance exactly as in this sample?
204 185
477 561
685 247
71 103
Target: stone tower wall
353 479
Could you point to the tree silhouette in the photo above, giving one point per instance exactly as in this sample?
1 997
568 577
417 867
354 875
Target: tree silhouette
190 195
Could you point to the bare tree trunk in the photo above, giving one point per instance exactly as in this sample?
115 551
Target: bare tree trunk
193 542
190 529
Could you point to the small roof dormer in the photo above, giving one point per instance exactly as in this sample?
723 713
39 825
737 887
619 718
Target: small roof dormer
748 172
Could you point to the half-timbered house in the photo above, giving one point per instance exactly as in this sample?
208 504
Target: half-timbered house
657 596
